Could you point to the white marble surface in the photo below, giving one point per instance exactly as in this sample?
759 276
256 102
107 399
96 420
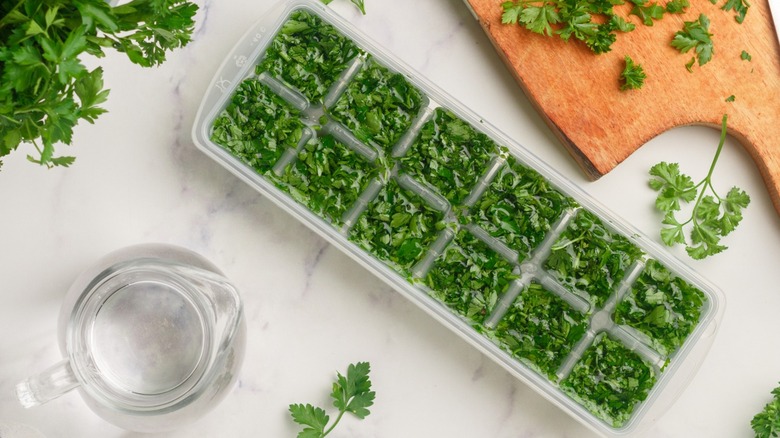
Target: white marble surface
310 309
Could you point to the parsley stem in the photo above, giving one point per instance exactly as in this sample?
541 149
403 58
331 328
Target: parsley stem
335 422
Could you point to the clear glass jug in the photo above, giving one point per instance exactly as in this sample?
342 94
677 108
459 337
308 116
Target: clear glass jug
152 336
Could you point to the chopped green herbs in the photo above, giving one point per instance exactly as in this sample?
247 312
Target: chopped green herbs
591 259
469 278
661 305
574 17
327 178
308 55
677 6
378 105
695 36
460 217
712 217
647 12
745 56
731 98
766 424
519 208
740 7
610 380
540 329
397 227
257 126
450 155
633 75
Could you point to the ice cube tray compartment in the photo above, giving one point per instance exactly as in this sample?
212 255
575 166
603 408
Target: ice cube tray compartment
432 199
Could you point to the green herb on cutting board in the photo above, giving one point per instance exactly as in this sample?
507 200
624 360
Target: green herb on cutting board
677 6
576 19
359 3
695 36
731 98
351 393
633 75
766 423
45 90
712 216
648 13
745 56
740 7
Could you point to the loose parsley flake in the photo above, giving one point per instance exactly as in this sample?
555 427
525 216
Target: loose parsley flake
712 216
697 37
648 13
633 75
731 98
740 7
677 6
351 393
745 56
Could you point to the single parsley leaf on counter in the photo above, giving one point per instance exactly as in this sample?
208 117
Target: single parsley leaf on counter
745 56
766 424
351 393
695 36
633 75
712 216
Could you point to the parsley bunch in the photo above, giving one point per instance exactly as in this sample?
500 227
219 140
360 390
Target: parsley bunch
351 393
45 90
712 216
766 423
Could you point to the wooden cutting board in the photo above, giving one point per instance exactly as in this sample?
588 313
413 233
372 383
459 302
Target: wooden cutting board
578 93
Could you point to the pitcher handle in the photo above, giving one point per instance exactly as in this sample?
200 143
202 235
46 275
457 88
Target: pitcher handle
46 386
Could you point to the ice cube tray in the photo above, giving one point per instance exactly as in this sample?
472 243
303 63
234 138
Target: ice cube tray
457 217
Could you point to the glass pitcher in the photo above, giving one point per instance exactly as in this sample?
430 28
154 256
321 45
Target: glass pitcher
152 336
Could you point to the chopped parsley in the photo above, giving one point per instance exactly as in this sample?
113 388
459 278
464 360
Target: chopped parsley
745 56
661 305
378 105
695 36
519 208
540 329
590 259
610 380
308 55
450 155
633 75
647 12
397 227
327 178
469 278
257 126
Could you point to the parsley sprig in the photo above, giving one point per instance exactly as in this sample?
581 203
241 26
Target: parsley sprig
351 393
712 216
45 90
695 36
766 423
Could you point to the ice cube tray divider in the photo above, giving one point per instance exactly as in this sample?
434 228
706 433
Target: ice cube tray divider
528 270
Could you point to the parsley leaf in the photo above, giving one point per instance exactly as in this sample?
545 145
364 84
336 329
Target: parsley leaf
647 13
712 216
745 56
695 36
633 75
740 7
677 6
351 393
766 423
